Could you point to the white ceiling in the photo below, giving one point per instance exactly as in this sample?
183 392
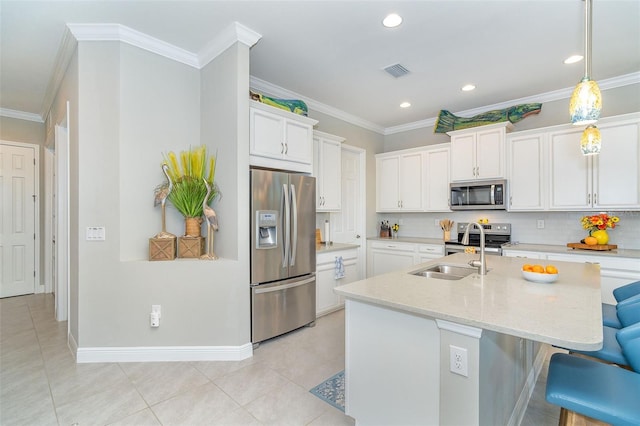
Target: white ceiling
333 52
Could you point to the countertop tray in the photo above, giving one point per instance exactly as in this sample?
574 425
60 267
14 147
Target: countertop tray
599 247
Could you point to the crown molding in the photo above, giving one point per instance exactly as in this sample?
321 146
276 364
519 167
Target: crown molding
555 95
118 32
273 90
66 50
236 32
73 33
21 115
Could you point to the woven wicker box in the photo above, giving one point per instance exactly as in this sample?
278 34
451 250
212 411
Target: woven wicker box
189 247
162 248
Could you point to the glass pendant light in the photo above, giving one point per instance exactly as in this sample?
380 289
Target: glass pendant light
586 101
590 141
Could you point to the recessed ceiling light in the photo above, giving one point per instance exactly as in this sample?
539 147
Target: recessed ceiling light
405 105
573 59
468 87
392 20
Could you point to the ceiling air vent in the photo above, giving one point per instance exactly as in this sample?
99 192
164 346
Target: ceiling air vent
397 70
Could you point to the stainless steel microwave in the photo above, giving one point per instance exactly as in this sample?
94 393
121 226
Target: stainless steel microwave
478 195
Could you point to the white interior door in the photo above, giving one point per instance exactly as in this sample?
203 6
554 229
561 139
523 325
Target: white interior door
349 223
60 221
17 219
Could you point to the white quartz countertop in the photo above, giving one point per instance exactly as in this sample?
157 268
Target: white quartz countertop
547 248
323 248
566 313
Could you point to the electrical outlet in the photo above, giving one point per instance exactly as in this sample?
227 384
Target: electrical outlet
540 224
436 222
154 316
458 361
400 222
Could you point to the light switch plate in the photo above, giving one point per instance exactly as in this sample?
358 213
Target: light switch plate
95 233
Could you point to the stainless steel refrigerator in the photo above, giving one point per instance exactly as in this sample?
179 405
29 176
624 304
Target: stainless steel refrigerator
283 252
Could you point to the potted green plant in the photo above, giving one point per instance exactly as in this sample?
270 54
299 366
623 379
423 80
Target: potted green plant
188 192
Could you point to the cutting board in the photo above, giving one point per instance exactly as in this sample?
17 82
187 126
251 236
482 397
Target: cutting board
594 247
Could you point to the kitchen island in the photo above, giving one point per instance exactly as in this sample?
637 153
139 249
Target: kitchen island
404 332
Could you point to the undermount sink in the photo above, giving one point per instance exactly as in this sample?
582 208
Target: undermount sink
445 272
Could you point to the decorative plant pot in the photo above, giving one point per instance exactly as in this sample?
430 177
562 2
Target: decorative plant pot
600 235
192 226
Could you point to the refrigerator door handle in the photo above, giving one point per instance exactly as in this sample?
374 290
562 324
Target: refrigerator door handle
270 289
286 220
294 226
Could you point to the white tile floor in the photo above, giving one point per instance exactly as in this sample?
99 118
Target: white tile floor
41 384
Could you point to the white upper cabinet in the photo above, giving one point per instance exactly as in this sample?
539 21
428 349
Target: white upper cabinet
399 181
616 170
479 152
280 139
436 178
327 163
526 171
609 180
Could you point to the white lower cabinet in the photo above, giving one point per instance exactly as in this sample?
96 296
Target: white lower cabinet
384 257
614 271
326 300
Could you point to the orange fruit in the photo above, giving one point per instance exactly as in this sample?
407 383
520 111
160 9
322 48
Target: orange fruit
550 269
538 268
527 267
591 241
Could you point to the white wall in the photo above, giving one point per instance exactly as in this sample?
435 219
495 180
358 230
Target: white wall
132 106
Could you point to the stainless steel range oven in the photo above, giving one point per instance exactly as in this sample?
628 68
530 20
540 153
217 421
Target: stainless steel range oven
496 234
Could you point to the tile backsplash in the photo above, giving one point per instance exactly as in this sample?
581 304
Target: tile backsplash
560 228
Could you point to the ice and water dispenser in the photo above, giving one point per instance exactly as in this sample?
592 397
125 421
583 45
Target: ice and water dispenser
266 229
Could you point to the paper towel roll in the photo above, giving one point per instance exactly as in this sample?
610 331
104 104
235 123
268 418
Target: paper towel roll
326 232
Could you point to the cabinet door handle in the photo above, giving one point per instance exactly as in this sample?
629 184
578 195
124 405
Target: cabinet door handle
286 148
595 198
281 147
510 201
588 198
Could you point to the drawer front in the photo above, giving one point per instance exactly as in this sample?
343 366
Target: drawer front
393 246
431 249
330 257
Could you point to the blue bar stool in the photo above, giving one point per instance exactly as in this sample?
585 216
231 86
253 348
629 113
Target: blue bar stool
609 316
593 389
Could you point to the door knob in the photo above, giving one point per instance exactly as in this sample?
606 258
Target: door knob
357 236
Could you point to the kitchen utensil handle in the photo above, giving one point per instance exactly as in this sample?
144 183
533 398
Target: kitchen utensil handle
285 224
294 238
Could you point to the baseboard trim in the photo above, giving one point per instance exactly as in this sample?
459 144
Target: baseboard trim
523 401
164 353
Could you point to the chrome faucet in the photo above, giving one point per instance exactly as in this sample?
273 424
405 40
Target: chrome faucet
482 263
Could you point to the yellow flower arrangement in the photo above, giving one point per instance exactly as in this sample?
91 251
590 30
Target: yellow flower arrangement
186 173
599 221
395 227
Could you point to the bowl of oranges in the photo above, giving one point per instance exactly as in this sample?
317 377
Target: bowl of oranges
540 273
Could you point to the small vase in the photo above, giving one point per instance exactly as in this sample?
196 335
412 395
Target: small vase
192 226
600 235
